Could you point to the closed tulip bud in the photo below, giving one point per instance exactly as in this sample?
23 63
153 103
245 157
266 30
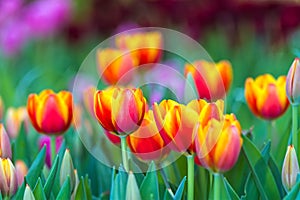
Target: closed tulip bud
21 171
28 194
146 47
1 108
212 80
120 110
293 83
5 148
114 65
266 97
175 123
218 141
290 168
15 117
50 113
146 142
67 170
8 177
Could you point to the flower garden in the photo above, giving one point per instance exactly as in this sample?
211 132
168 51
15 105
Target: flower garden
144 112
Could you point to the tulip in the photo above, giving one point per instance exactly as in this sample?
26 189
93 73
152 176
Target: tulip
14 119
8 177
266 97
114 65
1 108
293 83
212 80
21 171
218 141
112 137
290 168
50 113
67 170
146 47
120 110
5 148
175 123
146 143
46 140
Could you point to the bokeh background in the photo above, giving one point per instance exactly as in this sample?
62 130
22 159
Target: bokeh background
44 42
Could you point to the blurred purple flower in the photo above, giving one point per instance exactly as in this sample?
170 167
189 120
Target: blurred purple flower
44 17
9 9
46 140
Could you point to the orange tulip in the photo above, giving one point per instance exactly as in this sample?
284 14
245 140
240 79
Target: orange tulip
50 113
146 47
14 119
293 83
175 123
218 139
266 97
212 80
146 143
120 110
113 64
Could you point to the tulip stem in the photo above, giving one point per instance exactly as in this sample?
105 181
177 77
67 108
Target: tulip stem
53 147
124 153
217 186
190 176
295 126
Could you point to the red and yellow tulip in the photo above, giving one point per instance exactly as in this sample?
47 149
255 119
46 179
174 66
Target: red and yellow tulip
212 80
266 96
120 110
146 47
218 139
293 83
146 143
112 137
113 65
50 113
175 123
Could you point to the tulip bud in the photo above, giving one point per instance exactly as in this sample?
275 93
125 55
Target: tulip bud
14 119
28 195
5 148
8 178
290 168
293 83
21 171
1 108
67 169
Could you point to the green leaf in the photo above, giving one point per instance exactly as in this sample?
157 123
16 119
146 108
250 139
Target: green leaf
119 188
20 146
51 177
39 191
132 189
149 187
87 185
294 193
36 168
83 190
179 193
275 171
139 176
231 192
261 173
20 192
219 185
28 195
65 191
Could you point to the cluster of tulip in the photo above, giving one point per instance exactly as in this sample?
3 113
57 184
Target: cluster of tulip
200 129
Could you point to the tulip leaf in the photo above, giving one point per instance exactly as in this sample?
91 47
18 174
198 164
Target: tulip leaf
139 176
20 146
202 178
222 193
261 173
231 192
294 193
51 177
56 187
277 176
179 193
132 189
38 191
65 191
87 186
81 192
119 188
168 195
28 195
20 193
149 187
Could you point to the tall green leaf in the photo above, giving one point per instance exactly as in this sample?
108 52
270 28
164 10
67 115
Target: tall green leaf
65 191
38 191
149 187
132 189
51 177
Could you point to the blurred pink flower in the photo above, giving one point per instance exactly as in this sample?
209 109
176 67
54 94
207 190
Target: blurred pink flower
8 9
46 140
44 17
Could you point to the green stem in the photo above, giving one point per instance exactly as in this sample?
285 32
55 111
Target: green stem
217 186
190 176
295 126
124 153
53 147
